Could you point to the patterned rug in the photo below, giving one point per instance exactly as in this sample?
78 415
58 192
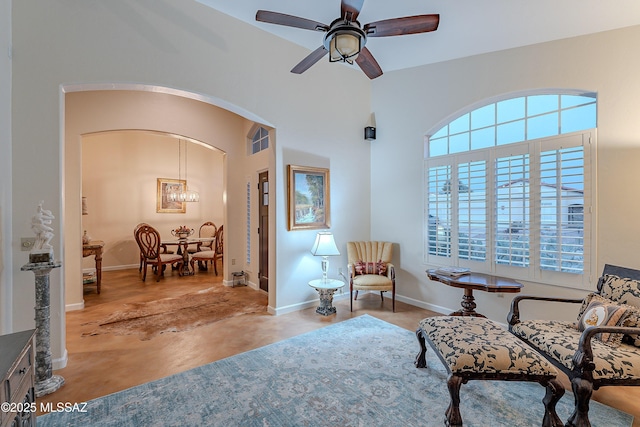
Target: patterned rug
188 311
356 373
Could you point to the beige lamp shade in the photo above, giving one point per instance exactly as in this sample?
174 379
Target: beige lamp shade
325 245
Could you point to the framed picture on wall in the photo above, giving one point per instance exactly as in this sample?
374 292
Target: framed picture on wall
167 186
308 197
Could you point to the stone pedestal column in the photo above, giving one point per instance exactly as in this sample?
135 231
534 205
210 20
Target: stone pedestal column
46 382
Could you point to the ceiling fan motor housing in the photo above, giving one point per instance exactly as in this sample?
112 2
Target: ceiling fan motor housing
344 40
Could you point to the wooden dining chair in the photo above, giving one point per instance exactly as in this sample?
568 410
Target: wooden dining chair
148 239
210 255
135 235
208 229
219 252
203 257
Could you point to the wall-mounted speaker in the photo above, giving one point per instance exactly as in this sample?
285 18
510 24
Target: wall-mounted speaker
369 133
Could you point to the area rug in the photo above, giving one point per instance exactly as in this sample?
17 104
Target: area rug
181 313
358 373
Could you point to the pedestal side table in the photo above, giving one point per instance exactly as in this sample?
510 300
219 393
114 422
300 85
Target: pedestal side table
326 288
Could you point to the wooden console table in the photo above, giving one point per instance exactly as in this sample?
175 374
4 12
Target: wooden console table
94 248
478 281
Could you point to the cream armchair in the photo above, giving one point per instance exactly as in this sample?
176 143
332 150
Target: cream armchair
370 269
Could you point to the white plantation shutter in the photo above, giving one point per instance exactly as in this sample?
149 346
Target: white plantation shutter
536 195
439 211
472 211
512 204
564 211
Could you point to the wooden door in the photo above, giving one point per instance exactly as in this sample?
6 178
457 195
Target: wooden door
263 230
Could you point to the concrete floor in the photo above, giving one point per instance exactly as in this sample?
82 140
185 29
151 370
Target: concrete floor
104 364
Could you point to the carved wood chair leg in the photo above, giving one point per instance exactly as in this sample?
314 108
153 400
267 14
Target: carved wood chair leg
421 358
454 419
554 393
582 390
356 297
382 296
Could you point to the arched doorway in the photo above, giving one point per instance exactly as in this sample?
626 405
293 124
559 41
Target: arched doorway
93 111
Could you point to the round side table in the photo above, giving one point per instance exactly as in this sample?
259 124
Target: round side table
326 288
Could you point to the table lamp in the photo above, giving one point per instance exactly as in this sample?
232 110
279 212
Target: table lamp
325 247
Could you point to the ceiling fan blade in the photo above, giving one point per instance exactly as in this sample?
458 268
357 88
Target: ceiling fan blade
290 21
368 64
401 26
311 59
350 9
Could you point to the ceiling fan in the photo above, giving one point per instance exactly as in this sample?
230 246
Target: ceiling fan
345 38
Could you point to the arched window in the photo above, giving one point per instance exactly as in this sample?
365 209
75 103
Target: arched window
523 172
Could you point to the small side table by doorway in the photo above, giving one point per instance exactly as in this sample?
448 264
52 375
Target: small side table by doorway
94 248
326 288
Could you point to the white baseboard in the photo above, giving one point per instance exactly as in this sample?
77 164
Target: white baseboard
304 305
61 362
425 305
120 267
293 307
74 307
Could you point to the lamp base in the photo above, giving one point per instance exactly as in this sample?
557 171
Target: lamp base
325 267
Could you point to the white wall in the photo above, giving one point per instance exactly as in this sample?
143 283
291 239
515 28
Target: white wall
318 118
5 166
411 102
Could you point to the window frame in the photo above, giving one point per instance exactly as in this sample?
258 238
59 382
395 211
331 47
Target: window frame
260 137
534 147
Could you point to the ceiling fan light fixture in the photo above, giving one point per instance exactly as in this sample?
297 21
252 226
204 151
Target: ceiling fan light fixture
344 47
344 41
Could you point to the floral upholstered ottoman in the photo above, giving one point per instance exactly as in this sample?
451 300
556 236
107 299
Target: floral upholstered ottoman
475 348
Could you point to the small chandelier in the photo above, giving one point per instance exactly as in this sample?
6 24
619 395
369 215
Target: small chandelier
344 41
184 194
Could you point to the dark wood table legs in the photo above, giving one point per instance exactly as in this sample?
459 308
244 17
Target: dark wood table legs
468 305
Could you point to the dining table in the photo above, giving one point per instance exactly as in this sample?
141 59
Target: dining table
182 246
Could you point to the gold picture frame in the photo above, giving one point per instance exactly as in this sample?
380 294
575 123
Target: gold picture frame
166 186
308 198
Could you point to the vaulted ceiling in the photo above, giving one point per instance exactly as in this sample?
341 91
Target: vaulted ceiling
467 27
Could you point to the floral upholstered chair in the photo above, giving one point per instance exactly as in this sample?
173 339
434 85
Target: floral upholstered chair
602 348
370 269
